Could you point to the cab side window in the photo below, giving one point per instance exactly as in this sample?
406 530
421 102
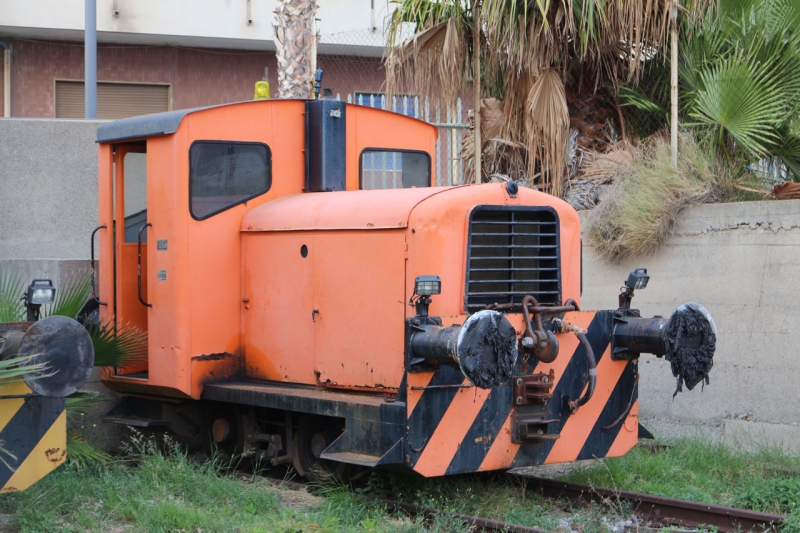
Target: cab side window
394 169
224 174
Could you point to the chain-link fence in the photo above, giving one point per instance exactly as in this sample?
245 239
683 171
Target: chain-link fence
353 72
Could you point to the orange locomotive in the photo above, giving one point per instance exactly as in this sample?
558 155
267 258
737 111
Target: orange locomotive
310 298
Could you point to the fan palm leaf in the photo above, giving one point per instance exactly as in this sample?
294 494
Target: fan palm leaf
79 402
12 286
80 453
739 75
13 368
740 99
71 296
117 344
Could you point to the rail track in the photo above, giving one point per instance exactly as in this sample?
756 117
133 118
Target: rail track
662 511
655 511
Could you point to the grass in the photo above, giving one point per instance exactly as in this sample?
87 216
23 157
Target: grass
166 491
638 211
767 480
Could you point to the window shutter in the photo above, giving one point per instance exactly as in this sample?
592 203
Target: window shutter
114 100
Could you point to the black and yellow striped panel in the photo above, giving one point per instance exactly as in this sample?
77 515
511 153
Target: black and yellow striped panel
33 432
455 429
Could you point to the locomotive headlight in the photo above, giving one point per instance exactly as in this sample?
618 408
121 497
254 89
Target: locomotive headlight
637 279
427 285
40 292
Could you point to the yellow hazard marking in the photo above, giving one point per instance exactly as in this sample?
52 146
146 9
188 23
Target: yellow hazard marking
43 459
14 387
10 406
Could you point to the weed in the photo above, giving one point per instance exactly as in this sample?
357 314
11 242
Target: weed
713 473
638 211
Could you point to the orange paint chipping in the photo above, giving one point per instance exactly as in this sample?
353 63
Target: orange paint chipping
502 452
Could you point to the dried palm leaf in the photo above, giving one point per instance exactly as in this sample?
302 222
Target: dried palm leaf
493 128
432 63
583 194
605 167
547 128
788 190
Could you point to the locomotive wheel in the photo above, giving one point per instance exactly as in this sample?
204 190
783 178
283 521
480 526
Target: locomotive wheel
221 432
314 434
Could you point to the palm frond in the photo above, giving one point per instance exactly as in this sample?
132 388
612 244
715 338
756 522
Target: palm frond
71 296
547 127
633 97
14 368
79 402
432 63
4 453
789 150
81 454
117 344
12 286
740 100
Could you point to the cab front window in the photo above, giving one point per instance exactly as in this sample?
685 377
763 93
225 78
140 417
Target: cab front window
394 169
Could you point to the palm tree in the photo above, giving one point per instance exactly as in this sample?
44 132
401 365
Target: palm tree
293 22
739 83
533 53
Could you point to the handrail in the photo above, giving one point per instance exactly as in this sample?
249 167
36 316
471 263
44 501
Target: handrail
139 265
94 293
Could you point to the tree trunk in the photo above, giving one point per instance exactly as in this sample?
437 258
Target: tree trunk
293 21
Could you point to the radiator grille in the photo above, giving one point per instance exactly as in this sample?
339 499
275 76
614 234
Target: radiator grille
513 251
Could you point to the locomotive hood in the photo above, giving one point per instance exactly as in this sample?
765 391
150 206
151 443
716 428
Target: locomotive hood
378 209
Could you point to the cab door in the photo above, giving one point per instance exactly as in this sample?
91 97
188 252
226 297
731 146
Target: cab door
130 250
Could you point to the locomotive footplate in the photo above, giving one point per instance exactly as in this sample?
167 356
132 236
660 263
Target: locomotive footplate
374 426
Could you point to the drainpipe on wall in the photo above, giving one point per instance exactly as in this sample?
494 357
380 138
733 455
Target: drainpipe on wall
90 59
6 78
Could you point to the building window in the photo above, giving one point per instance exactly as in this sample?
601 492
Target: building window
401 103
224 174
114 100
394 169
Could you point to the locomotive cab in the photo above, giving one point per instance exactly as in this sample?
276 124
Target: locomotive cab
182 182
310 297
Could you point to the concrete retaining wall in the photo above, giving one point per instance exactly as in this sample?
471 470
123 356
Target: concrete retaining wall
48 188
739 260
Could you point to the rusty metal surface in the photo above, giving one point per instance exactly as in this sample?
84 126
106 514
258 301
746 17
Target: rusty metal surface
534 388
543 344
14 326
663 510
278 392
574 405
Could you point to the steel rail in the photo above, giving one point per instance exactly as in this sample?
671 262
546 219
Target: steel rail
663 510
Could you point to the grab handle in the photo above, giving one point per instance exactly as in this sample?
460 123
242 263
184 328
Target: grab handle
94 293
139 265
